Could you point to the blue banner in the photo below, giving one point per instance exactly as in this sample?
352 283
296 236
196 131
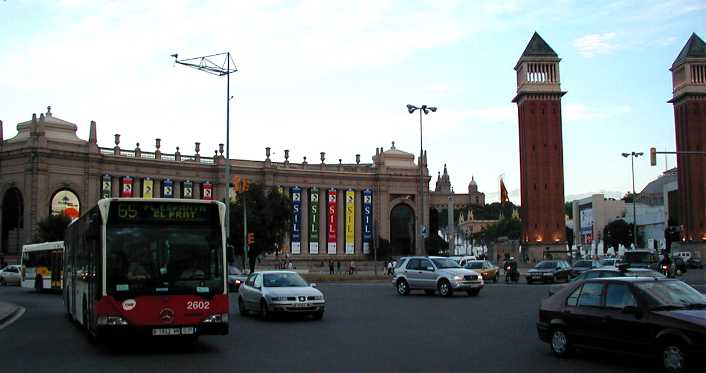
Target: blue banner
296 220
367 220
167 188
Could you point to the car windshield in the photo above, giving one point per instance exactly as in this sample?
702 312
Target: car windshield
282 280
583 263
474 265
671 294
544 265
441 263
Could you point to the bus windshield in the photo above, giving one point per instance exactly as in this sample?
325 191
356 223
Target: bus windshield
163 259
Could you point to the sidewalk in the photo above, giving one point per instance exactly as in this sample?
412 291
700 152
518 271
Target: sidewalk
8 311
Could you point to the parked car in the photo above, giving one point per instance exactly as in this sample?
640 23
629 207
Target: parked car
435 273
660 318
271 292
582 266
695 262
462 260
603 272
488 270
549 271
641 258
236 277
11 275
609 262
686 255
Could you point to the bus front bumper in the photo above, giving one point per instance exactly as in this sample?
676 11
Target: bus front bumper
162 330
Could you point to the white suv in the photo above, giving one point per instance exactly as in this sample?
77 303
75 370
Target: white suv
432 273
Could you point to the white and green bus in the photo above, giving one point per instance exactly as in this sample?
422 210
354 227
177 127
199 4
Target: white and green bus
43 265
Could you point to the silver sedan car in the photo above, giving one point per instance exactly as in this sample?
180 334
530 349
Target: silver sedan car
270 292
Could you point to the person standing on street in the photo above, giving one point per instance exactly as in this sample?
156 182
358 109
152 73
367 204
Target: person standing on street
330 267
338 267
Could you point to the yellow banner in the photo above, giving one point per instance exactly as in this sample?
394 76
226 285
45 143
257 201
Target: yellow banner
147 188
350 222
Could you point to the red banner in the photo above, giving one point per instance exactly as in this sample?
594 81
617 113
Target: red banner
126 190
331 221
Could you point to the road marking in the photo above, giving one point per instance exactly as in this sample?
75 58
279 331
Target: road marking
20 311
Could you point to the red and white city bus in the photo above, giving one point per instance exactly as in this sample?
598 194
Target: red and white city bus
148 266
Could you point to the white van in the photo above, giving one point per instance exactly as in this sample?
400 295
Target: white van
686 255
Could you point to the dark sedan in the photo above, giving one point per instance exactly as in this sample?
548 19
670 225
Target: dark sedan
582 266
549 271
657 317
603 272
694 262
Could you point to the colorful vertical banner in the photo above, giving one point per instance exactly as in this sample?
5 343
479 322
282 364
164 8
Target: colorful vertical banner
106 186
331 221
147 188
314 221
167 188
367 226
207 192
350 222
187 189
126 186
296 220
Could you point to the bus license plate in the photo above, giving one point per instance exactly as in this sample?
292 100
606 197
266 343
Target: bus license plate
187 330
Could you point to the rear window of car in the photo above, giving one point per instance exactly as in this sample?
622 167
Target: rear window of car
474 265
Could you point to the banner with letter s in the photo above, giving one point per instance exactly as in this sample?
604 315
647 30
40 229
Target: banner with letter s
106 186
331 221
367 220
296 219
147 188
314 221
126 186
167 188
350 222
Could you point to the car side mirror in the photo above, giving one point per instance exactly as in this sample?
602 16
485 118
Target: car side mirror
313 284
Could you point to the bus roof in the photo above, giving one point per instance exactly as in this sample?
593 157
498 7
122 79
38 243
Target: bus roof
43 246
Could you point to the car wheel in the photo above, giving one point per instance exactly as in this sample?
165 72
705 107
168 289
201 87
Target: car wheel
429 292
673 358
402 287
560 344
318 315
241 307
264 310
445 288
473 293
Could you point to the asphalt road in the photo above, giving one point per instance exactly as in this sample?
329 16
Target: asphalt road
367 328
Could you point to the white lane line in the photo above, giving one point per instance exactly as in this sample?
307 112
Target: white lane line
14 318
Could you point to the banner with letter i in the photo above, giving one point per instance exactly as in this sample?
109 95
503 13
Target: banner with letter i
126 187
147 188
367 220
296 220
331 221
106 186
350 222
168 188
207 190
187 189
314 221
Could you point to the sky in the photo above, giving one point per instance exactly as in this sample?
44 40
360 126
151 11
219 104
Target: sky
335 76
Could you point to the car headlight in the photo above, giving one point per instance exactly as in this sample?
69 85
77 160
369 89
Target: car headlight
318 297
458 278
278 299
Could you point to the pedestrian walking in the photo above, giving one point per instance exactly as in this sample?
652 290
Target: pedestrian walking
338 267
330 267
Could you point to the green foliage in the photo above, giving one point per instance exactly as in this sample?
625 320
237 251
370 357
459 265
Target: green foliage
616 233
269 214
487 212
569 236
569 209
508 227
52 228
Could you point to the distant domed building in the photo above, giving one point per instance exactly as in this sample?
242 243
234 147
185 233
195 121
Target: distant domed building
439 198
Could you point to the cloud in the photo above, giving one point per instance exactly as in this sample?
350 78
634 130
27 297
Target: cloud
596 44
581 112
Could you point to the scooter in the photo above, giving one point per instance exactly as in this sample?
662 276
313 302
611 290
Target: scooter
511 274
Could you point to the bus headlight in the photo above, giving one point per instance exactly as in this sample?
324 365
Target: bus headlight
217 318
111 320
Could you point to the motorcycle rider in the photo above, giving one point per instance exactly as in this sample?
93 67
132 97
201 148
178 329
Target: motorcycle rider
514 274
665 265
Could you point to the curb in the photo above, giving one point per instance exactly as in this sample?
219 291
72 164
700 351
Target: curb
11 317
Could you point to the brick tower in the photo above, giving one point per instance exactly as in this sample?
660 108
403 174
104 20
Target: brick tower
541 154
689 100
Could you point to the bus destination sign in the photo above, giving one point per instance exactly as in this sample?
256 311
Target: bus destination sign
160 212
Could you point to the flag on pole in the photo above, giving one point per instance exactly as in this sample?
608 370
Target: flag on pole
504 198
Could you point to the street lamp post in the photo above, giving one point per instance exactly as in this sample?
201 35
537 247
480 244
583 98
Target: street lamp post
632 156
227 67
425 109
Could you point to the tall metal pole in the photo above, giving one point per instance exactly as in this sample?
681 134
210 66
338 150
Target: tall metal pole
245 229
634 215
227 165
421 186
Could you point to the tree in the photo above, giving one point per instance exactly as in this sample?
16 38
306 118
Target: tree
434 244
52 228
569 237
616 233
508 227
269 214
569 209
